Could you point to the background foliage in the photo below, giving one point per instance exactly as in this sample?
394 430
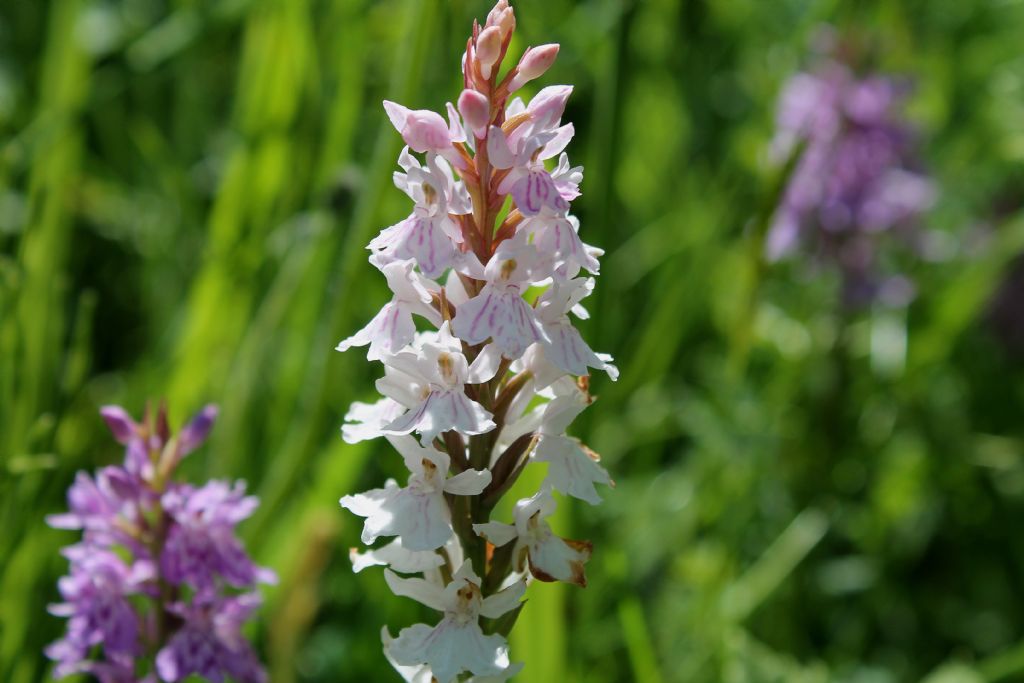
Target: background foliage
186 189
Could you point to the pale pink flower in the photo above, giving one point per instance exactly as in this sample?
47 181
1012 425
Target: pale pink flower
572 469
475 111
563 345
549 557
456 644
499 312
429 235
392 329
417 513
524 150
438 367
557 237
488 48
502 377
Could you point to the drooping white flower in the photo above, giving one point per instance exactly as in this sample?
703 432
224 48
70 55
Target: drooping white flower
549 557
457 643
418 182
429 235
499 311
563 345
417 513
542 371
556 235
438 369
392 329
572 469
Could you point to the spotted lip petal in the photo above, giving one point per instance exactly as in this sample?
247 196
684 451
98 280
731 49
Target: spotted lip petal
536 190
439 372
417 513
457 643
499 314
441 411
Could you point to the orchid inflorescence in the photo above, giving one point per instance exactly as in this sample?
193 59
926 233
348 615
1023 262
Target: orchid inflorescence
857 180
491 259
159 586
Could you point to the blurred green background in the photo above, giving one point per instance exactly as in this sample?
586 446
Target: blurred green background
186 189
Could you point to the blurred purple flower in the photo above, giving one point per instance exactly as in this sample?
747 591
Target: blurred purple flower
117 668
145 542
201 544
96 605
210 642
855 180
101 507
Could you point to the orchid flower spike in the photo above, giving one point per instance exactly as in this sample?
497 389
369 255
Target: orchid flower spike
483 366
160 586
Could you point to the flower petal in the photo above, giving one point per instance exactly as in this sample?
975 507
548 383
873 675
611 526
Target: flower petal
195 432
565 348
417 673
498 152
504 600
395 555
536 190
485 366
560 559
496 533
420 590
451 648
502 316
571 469
468 483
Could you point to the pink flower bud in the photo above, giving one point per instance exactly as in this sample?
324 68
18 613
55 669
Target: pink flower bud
120 423
196 431
476 111
488 48
534 63
492 16
422 130
503 17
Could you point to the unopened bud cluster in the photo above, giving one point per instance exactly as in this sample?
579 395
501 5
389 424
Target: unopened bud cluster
483 368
